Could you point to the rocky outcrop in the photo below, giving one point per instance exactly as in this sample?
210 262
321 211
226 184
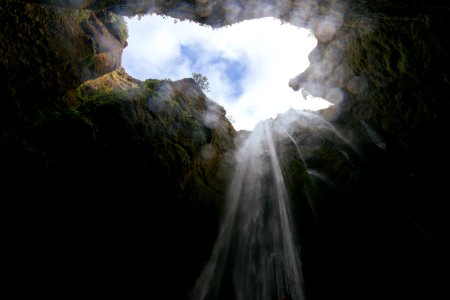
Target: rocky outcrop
130 165
47 51
91 157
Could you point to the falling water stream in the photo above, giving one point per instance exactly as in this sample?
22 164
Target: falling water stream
255 255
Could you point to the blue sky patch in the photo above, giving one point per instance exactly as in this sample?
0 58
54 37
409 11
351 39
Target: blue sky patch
233 69
190 52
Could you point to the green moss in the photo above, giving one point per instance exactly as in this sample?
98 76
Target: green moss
115 23
183 155
81 15
152 84
188 119
47 115
402 63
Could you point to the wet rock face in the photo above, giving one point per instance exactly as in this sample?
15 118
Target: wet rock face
132 170
47 50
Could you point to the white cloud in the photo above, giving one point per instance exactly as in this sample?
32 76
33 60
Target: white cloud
268 52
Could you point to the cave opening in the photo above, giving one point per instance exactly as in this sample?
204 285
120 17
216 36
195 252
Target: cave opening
102 191
247 65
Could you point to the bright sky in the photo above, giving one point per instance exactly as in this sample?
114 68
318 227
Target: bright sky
248 65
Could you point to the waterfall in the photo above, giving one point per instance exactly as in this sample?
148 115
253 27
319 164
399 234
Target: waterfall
298 149
310 173
255 256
